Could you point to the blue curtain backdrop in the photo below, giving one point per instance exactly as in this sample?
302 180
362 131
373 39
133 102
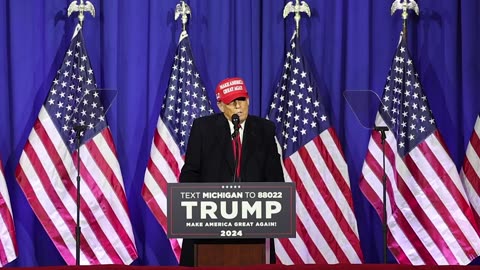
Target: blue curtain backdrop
131 44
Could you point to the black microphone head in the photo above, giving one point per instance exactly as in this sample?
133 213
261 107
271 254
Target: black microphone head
235 120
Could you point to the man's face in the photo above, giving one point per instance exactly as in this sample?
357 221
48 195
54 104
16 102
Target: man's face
238 106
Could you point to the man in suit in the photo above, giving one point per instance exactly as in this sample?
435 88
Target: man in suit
214 143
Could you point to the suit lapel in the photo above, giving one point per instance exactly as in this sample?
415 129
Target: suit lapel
224 140
249 141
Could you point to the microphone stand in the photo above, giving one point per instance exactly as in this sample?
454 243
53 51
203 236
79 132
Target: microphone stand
236 132
382 131
235 154
78 132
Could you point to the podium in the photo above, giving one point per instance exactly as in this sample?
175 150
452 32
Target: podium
233 254
228 224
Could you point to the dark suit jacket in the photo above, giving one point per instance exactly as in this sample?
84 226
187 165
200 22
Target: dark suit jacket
209 158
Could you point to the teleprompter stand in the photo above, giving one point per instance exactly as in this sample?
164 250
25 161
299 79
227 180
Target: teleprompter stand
365 104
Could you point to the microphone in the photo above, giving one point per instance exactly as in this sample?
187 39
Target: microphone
236 124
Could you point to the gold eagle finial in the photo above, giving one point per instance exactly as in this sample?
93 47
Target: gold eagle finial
404 5
182 9
296 8
81 8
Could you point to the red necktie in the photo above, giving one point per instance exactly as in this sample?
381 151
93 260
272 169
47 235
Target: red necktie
237 144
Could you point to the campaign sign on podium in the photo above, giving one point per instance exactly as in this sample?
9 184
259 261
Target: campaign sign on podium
233 210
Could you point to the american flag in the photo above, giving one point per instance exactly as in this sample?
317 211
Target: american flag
185 100
313 159
470 172
429 218
48 168
8 242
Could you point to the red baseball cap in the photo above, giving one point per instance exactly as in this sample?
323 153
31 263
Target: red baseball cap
230 89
